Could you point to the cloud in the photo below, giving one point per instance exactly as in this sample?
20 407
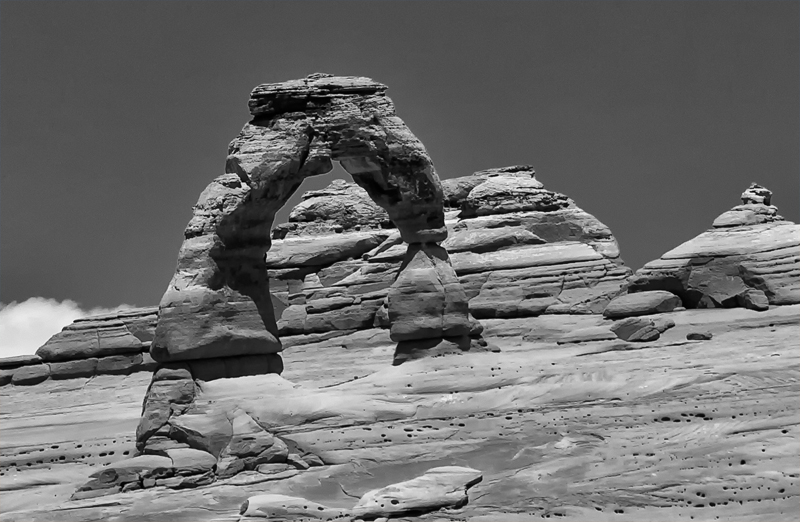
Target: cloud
26 326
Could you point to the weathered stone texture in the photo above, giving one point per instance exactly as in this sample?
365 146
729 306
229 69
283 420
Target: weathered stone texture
750 249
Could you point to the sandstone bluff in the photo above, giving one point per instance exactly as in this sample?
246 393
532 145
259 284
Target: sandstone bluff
416 349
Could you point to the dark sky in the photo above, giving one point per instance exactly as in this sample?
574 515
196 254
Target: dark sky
653 116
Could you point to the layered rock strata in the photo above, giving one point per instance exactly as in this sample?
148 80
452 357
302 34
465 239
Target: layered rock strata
109 344
749 258
518 250
521 250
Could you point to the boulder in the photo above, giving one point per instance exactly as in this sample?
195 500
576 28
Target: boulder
74 369
444 487
753 299
699 336
282 507
662 324
586 335
636 329
456 190
297 461
190 461
341 206
30 375
641 303
159 401
504 194
112 478
207 431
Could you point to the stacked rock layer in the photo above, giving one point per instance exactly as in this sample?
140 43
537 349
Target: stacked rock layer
518 250
109 344
750 258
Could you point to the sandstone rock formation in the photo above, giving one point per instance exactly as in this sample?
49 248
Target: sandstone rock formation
750 258
217 318
641 303
276 507
664 430
218 303
522 256
109 344
521 250
443 487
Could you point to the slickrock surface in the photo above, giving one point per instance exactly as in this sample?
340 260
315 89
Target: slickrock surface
600 430
750 258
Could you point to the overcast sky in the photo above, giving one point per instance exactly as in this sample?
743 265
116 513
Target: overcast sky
114 115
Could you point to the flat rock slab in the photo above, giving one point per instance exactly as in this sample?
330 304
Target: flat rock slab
280 507
438 488
641 303
586 335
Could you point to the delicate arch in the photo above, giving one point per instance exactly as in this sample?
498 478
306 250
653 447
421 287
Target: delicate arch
218 303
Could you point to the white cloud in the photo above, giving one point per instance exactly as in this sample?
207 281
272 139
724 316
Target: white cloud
26 326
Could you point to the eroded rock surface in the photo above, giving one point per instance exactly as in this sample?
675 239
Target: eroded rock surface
630 431
750 258
444 487
218 303
109 344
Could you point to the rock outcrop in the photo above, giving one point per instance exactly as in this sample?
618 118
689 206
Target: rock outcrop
518 250
108 344
521 250
218 303
437 488
750 258
217 318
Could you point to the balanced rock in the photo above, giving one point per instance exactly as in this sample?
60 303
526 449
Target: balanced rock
444 487
641 303
750 248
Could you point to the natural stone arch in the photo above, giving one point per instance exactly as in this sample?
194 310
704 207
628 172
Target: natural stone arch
218 303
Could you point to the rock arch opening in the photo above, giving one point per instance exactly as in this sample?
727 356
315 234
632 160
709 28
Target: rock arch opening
218 302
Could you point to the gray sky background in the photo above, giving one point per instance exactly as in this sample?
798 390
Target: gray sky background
114 115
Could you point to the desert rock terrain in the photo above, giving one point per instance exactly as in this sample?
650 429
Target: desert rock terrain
407 348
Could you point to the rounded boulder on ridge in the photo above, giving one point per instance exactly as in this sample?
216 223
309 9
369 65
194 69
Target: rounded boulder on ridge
641 303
